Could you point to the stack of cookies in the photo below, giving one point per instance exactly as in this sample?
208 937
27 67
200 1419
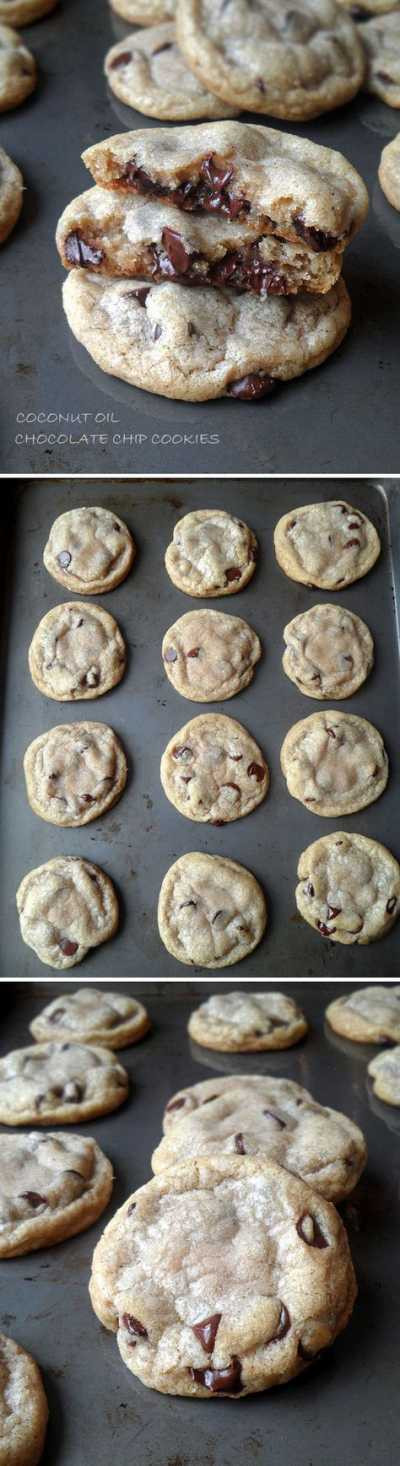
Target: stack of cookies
252 222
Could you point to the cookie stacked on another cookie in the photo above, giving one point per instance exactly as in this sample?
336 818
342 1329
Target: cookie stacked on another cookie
253 222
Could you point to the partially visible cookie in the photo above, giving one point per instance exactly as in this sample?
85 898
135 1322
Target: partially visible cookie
144 12
270 58
23 12
211 553
89 550
389 171
198 344
211 911
385 1073
75 772
326 545
61 1084
147 70
92 1016
23 1406
225 1275
11 195
18 75
349 888
241 1022
77 652
213 771
381 40
262 1115
66 908
367 1016
329 652
334 763
209 656
51 1187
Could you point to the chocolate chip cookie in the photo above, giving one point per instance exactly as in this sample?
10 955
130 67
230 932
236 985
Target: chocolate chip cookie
284 185
66 908
211 911
213 771
209 656
110 233
77 652
89 550
74 773
144 12
389 171
349 888
252 1312
51 1187
329 652
238 1022
326 545
363 8
18 75
385 1073
261 1115
381 40
147 70
23 12
195 345
11 195
211 553
334 763
271 58
92 1016
61 1084
368 1016
23 1406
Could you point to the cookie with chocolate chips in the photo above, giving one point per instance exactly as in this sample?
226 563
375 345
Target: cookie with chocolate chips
349 888
66 908
329 652
209 656
18 75
23 12
11 195
246 1022
271 57
144 12
368 1016
381 40
261 1115
147 71
213 771
23 1406
211 911
121 234
59 1083
92 1016
211 553
89 550
389 171
326 545
385 1074
77 652
74 773
252 1313
334 763
51 1187
283 184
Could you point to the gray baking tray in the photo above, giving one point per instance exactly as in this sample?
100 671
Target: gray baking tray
75 419
345 1409
138 840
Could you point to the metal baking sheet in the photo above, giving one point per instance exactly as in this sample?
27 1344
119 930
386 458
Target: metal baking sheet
60 413
138 840
346 1407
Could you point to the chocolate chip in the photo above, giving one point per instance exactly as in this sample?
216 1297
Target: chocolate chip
234 573
331 733
260 84
34 1198
79 252
166 47
182 751
280 1123
157 332
384 76
64 559
218 177
333 911
227 1381
187 903
131 1208
58 1013
283 1325
122 60
391 904
256 771
231 786
211 1097
310 1232
140 294
250 388
175 1104
72 1092
350 543
309 890
239 1144
318 239
194 652
133 1326
88 798
170 655
207 1330
68 947
176 250
325 932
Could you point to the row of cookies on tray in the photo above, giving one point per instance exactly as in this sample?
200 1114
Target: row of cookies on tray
18 79
240 1156
211 910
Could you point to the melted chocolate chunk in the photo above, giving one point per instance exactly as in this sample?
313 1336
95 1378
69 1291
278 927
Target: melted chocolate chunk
194 652
391 904
325 932
131 1208
233 573
256 771
122 60
140 294
182 751
178 255
79 251
221 1381
64 559
240 1147
318 239
207 1330
133 1326
166 47
283 1325
58 1013
250 388
175 1104
280 1123
309 1225
34 1198
333 911
68 947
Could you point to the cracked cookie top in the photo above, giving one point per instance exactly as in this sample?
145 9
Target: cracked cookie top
349 888
89 550
213 771
326 545
92 1015
209 656
63 1082
66 907
77 652
75 772
211 910
334 763
329 652
211 553
51 1186
240 1021
367 1015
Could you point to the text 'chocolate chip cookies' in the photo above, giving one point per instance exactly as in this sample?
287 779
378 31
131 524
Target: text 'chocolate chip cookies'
92 1016
241 1022
77 652
349 888
52 1186
60 1083
209 656
211 911
213 771
66 908
253 1312
23 1406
